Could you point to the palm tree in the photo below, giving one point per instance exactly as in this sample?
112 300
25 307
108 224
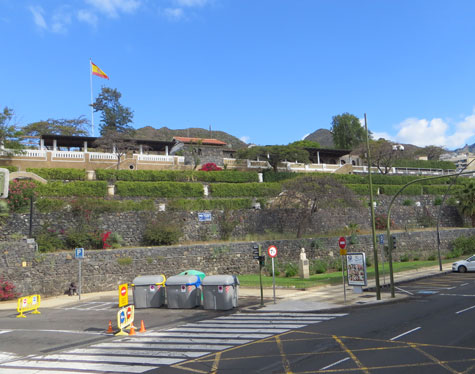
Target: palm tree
466 199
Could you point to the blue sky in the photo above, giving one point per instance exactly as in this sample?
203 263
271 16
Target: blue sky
268 72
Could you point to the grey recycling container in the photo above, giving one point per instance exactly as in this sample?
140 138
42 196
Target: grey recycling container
220 292
149 291
183 291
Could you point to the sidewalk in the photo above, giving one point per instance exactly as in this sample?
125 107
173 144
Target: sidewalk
287 300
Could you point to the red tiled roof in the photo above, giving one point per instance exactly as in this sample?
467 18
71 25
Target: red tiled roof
184 139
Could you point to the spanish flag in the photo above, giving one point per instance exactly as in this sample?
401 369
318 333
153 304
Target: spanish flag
97 71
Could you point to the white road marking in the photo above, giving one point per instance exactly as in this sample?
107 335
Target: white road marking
283 314
407 332
185 334
334 364
138 352
196 347
255 322
400 289
464 310
4 331
62 331
197 329
273 318
74 365
7 356
463 284
37 371
454 294
110 358
186 340
245 325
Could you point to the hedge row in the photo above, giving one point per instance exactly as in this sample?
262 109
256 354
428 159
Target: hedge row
177 176
159 189
210 204
78 188
45 205
247 189
59 174
11 169
423 164
414 189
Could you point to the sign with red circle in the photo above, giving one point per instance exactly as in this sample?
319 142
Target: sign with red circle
129 312
123 291
342 242
272 251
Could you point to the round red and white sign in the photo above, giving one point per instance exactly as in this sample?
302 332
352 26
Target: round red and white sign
342 242
129 312
123 291
272 251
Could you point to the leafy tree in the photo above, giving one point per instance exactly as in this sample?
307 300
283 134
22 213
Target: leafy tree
114 116
51 126
305 144
466 198
275 154
347 131
431 151
383 155
9 133
309 194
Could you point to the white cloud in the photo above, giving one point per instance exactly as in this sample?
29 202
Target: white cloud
191 3
174 14
60 20
379 135
303 137
423 132
87 16
38 18
112 8
245 139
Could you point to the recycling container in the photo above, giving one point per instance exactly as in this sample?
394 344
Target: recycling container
220 292
183 291
195 272
149 291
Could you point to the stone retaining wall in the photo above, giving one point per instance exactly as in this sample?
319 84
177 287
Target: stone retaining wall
50 274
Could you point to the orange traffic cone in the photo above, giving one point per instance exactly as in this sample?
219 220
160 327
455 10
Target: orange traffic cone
132 329
142 326
109 330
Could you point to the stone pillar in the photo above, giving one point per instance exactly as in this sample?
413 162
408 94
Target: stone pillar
318 157
55 145
110 190
206 190
260 177
42 144
85 146
304 271
90 175
141 149
166 150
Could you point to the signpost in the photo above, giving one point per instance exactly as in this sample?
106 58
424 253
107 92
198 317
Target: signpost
342 244
123 295
79 254
272 252
257 254
204 217
381 241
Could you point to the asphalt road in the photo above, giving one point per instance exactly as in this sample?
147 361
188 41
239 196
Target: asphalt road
428 333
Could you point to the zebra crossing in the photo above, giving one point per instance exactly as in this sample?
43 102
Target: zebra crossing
154 349
93 306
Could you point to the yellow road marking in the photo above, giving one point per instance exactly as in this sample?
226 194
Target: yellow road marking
214 368
353 357
437 361
285 362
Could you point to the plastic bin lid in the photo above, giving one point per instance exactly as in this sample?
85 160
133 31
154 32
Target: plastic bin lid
145 280
220 280
187 280
193 272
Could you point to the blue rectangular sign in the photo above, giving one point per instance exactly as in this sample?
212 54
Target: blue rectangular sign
79 252
204 217
381 239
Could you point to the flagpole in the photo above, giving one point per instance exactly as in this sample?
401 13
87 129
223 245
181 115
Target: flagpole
92 109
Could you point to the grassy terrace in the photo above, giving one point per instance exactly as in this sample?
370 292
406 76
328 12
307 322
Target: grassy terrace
252 280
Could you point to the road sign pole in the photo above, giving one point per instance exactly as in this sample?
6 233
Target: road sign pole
80 279
343 276
273 277
260 275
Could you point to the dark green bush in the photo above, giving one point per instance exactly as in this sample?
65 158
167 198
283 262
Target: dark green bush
362 189
11 169
438 201
245 189
159 189
271 176
210 204
441 189
318 267
413 189
79 188
464 245
45 205
407 202
59 174
49 240
112 206
159 234
82 238
290 270
404 258
431 257
425 164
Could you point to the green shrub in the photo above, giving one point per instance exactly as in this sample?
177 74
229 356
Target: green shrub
431 257
245 189
210 204
45 205
368 261
59 173
11 169
407 202
115 240
413 189
415 257
290 270
159 189
362 189
49 240
455 253
424 164
124 261
79 188
335 264
80 237
404 258
19 194
464 245
438 201
112 206
159 234
318 267
271 176
441 189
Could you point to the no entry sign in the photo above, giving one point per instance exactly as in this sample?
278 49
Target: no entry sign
342 242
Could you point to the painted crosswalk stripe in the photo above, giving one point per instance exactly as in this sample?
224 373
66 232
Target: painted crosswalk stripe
134 360
39 371
200 340
138 352
209 335
6 356
254 322
196 347
288 314
32 364
246 325
198 329
272 318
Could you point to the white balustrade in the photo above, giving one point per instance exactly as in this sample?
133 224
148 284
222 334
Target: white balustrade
68 154
159 158
102 156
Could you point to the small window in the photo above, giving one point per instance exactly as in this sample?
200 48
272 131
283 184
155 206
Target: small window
131 167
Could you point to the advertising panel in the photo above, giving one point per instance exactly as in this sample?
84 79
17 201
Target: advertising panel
356 269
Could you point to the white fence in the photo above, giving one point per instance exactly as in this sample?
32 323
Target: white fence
102 156
68 155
